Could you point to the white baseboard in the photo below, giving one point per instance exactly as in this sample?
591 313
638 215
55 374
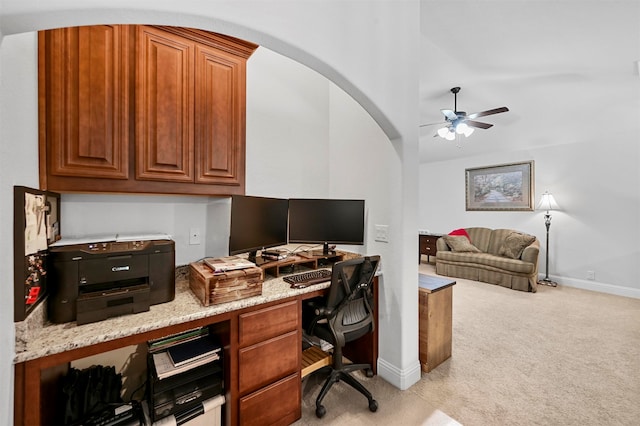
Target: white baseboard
402 379
596 286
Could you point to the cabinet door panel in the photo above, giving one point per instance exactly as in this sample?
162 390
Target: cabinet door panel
262 324
277 404
220 117
86 101
267 361
164 107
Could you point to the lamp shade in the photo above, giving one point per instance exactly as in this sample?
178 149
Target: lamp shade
547 202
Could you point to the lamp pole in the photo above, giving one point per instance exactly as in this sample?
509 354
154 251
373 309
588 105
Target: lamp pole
546 280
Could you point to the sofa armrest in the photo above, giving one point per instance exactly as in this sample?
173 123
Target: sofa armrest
441 245
530 253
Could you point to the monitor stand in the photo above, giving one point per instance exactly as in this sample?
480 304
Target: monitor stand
324 252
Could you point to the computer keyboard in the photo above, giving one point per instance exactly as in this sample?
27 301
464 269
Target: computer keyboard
306 279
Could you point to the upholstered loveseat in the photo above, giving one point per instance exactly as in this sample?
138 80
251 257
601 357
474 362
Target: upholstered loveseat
498 256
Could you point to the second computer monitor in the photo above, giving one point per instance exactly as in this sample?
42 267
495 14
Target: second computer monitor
326 221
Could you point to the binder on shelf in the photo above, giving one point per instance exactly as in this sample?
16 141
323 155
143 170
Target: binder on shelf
164 366
175 339
192 350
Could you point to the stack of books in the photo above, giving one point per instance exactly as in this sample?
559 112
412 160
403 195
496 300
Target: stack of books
181 352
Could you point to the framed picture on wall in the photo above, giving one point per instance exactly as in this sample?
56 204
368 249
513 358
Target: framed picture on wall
505 187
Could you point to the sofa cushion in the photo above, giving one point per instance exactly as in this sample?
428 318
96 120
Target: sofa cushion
514 244
480 237
486 261
460 243
497 240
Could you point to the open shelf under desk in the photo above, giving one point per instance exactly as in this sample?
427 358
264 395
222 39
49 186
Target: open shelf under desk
305 260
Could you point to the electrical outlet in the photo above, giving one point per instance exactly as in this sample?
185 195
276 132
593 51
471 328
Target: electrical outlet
382 233
194 236
591 275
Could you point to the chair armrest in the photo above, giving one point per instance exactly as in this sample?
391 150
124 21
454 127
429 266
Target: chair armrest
320 314
530 253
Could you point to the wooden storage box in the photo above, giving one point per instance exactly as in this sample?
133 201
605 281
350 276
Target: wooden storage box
225 287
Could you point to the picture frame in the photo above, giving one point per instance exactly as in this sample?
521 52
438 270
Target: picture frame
503 187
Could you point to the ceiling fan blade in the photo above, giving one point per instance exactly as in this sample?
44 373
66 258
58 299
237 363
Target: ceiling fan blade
439 123
450 115
478 124
488 112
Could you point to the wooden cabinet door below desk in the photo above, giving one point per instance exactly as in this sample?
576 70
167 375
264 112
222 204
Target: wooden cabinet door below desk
435 326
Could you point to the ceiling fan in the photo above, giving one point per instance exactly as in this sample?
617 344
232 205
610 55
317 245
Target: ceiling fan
459 123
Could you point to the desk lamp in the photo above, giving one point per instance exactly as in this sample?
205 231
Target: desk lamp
548 203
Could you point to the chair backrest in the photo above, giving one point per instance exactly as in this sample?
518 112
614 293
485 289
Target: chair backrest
350 297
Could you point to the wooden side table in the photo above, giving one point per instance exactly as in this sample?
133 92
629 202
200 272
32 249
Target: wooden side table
435 296
427 245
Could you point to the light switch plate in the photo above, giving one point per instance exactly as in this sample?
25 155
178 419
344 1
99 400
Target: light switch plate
382 233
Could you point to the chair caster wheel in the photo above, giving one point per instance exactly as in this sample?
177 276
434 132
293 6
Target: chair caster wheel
321 411
373 405
369 372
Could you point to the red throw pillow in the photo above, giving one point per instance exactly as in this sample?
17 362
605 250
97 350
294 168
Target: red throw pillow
460 231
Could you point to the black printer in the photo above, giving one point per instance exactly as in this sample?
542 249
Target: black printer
94 281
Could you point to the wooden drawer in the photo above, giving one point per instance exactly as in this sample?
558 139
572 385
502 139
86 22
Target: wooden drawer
263 324
268 361
277 404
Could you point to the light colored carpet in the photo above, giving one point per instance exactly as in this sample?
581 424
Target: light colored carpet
561 356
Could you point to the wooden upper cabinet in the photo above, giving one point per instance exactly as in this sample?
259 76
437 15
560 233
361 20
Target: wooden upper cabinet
145 109
220 117
84 102
164 106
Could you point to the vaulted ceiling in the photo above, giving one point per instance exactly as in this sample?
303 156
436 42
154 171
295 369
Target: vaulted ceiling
566 69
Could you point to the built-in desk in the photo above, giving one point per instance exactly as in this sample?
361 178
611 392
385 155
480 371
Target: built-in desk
43 356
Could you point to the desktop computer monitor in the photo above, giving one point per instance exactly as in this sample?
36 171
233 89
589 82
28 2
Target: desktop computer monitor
326 221
257 223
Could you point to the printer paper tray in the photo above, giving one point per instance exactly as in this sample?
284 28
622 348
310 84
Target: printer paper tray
100 305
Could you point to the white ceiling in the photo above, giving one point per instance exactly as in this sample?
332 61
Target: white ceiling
566 69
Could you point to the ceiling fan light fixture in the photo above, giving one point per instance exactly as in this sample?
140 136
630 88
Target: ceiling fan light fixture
451 135
443 132
461 128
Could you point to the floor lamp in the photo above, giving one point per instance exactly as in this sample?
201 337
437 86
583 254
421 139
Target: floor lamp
548 203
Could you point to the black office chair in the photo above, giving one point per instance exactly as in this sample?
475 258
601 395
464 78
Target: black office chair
343 315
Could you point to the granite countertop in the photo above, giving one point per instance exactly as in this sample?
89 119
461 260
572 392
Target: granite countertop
39 339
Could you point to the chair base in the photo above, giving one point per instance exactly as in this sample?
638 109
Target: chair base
344 375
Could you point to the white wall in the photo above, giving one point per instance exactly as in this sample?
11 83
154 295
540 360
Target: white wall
85 215
16 55
287 128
